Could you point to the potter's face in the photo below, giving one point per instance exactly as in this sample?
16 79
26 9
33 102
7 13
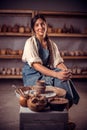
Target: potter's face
39 27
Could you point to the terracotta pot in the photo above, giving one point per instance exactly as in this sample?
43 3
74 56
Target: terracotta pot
21 29
58 104
4 28
23 101
15 28
40 86
3 51
20 52
37 103
9 28
27 29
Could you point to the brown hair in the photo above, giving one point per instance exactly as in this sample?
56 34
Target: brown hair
50 61
35 18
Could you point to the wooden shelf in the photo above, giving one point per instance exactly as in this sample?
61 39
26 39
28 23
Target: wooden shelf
67 35
74 57
63 14
79 76
64 57
20 76
10 57
17 12
50 34
15 34
10 76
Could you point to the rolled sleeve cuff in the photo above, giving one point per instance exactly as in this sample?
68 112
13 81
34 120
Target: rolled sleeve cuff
33 60
58 61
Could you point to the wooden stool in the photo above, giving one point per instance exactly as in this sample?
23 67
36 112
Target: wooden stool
48 120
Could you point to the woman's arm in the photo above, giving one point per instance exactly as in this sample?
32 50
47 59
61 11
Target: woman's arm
62 66
63 75
44 70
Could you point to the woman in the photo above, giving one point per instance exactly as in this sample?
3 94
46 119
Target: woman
43 61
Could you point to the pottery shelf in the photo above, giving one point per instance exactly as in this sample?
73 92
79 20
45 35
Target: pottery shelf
17 12
64 57
50 34
73 35
20 76
10 57
48 14
15 34
62 14
10 76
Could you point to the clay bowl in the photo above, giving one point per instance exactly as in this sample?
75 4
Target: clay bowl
20 93
58 104
23 100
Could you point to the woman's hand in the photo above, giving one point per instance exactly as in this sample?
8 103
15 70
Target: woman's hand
64 75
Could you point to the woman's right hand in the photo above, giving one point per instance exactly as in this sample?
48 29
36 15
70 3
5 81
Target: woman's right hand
64 75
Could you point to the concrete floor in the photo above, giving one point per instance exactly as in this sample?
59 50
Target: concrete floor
9 106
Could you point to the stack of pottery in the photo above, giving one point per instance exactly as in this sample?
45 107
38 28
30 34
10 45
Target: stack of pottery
40 86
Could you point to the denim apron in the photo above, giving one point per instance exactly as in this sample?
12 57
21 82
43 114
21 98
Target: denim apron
30 76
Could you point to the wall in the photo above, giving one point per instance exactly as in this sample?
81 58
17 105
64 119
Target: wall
56 5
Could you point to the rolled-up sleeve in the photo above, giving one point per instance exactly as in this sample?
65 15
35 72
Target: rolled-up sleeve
56 54
30 53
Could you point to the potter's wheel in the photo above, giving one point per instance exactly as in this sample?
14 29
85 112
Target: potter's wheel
50 91
47 94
